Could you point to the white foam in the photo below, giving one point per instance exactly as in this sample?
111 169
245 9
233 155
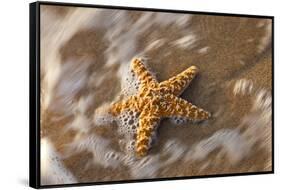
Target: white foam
128 122
167 19
145 167
100 149
72 80
263 101
96 79
102 118
185 42
230 142
129 82
81 122
259 123
122 47
155 45
174 150
178 120
52 169
55 33
204 50
234 145
129 146
243 87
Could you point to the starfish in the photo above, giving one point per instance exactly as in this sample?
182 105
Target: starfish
156 100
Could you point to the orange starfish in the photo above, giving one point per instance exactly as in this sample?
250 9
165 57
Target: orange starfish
156 100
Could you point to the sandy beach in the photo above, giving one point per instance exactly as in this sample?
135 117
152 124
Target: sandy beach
85 56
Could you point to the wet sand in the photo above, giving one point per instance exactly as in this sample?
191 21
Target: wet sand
234 83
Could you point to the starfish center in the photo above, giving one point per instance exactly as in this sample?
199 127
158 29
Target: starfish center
157 100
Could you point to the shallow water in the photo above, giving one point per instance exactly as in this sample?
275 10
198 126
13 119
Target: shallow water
85 57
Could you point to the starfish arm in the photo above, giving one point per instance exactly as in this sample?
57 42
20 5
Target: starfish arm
178 83
130 103
176 106
146 130
141 72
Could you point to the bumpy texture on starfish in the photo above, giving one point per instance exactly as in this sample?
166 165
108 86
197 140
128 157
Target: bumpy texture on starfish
156 100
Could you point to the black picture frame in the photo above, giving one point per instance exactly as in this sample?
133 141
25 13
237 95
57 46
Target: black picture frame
34 92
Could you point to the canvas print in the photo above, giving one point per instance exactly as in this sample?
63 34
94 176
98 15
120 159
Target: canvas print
142 94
